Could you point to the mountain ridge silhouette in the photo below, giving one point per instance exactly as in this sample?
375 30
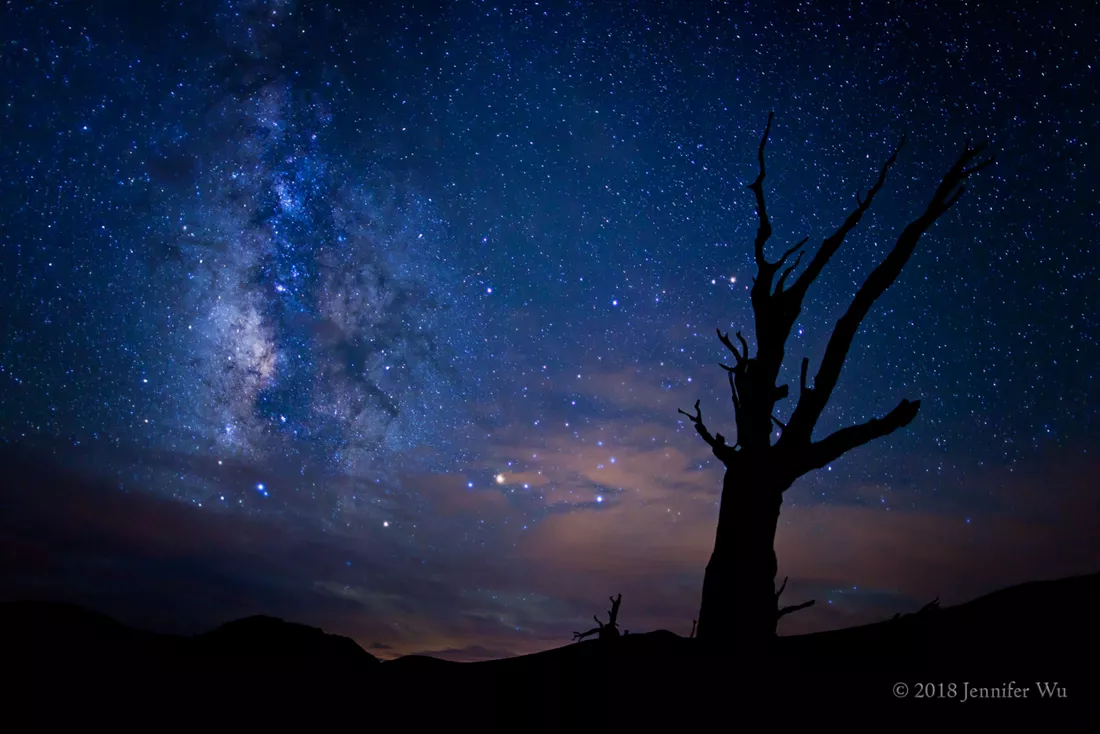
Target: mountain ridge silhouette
1020 635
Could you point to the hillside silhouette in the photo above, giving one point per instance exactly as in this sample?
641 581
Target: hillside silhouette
1036 633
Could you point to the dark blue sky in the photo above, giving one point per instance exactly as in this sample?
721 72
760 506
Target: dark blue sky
391 306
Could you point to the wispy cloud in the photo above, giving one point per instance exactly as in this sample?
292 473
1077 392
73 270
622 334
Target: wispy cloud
466 576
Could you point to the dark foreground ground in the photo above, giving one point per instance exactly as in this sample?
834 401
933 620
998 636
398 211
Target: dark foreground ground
988 662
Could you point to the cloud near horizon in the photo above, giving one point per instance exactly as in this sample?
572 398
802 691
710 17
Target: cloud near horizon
511 589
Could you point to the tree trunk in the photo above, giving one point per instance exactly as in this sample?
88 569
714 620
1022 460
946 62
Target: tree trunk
739 607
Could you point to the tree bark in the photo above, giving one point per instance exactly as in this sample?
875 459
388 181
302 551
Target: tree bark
740 607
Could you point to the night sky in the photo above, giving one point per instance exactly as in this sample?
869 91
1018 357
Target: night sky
377 316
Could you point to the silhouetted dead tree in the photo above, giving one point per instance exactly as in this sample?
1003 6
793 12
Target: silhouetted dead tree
739 602
693 623
605 631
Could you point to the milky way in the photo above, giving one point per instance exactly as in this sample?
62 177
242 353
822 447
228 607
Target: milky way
298 300
321 312
397 302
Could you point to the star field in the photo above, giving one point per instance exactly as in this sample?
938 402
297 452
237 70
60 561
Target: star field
408 295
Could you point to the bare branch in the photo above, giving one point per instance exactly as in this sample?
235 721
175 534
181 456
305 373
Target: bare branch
613 613
951 188
793 249
778 422
882 277
827 450
738 355
730 371
697 419
764 231
802 378
791 609
782 392
744 344
794 608
578 636
783 276
832 243
717 443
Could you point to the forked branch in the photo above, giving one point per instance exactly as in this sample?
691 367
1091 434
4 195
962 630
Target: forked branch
791 251
613 613
787 272
741 354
